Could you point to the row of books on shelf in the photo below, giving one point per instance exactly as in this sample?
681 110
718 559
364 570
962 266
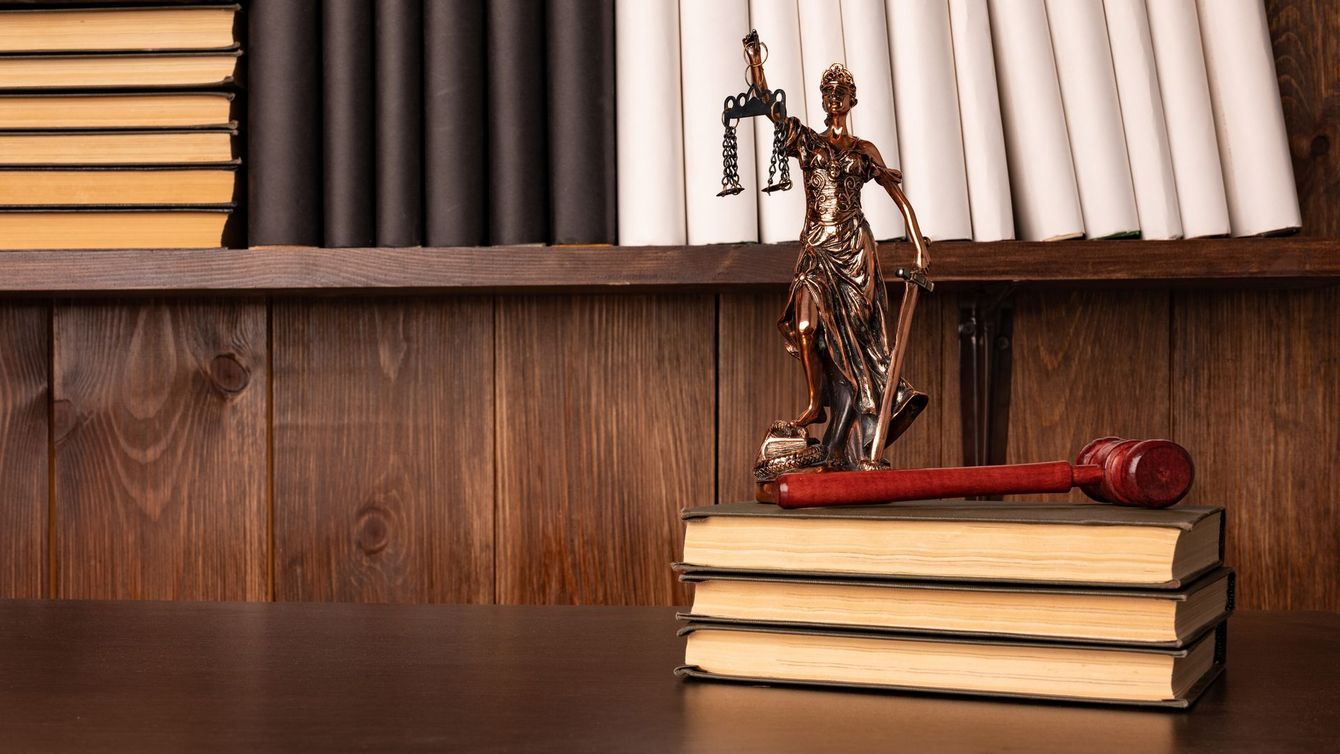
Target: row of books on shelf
409 123
1090 603
117 126
1031 119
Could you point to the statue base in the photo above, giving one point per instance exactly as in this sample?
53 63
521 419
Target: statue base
787 449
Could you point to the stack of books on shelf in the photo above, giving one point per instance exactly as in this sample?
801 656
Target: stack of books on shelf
1091 603
116 128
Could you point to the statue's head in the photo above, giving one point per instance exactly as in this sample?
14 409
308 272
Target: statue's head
838 89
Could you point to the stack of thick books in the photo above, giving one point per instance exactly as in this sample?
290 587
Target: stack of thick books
1092 603
115 126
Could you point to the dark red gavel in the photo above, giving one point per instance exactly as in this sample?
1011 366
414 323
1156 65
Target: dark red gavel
1140 473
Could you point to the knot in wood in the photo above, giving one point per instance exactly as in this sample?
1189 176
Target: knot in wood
373 531
228 374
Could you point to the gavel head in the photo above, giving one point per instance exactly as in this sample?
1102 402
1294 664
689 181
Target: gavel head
1142 473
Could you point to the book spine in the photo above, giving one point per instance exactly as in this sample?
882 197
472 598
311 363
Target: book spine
581 121
983 133
650 161
1143 119
865 39
456 172
518 152
1042 173
712 69
283 158
347 68
930 138
1180 60
399 103
781 214
1249 117
1093 117
820 46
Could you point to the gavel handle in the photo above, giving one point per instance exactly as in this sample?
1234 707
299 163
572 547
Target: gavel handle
863 487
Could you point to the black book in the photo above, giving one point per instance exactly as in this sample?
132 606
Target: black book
518 150
346 30
284 106
456 144
399 67
581 121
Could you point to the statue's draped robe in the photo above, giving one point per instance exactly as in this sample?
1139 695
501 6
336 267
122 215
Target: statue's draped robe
839 268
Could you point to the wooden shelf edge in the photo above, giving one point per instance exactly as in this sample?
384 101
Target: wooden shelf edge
726 267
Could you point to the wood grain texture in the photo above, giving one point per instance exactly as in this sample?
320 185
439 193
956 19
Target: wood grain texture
620 269
605 420
384 450
144 677
25 369
1306 38
1087 365
1256 379
160 443
760 383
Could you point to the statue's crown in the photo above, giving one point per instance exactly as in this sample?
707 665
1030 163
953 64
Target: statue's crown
838 76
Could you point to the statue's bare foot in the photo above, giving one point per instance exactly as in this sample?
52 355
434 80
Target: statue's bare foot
812 415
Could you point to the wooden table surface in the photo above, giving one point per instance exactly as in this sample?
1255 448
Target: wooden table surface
144 676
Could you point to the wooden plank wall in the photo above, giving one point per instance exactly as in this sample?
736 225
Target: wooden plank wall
526 449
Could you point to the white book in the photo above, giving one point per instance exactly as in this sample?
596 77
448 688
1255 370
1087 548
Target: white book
1042 174
820 46
930 136
1249 117
781 214
649 117
712 65
1093 117
979 111
867 46
1180 60
1143 118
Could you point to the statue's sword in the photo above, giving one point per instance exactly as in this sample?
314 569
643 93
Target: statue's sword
914 281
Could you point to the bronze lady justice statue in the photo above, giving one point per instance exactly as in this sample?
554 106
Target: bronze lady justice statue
835 320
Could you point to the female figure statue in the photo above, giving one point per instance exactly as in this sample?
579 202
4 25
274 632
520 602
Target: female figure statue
835 319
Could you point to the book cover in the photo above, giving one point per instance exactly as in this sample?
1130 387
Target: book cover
1001 541
930 134
456 172
117 70
710 58
518 123
399 114
1042 171
650 136
581 121
284 116
347 124
1215 643
1093 118
1221 577
1143 119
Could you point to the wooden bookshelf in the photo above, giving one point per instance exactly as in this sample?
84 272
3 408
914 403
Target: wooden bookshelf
1256 262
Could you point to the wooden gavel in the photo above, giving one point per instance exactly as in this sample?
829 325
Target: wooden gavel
1139 473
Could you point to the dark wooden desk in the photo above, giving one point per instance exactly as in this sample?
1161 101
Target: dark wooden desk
95 676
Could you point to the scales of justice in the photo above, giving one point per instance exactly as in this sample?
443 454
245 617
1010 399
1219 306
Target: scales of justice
835 322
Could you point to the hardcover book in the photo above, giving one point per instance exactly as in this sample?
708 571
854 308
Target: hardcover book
113 227
1060 672
1152 617
116 70
118 147
107 185
1084 544
111 28
30 112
